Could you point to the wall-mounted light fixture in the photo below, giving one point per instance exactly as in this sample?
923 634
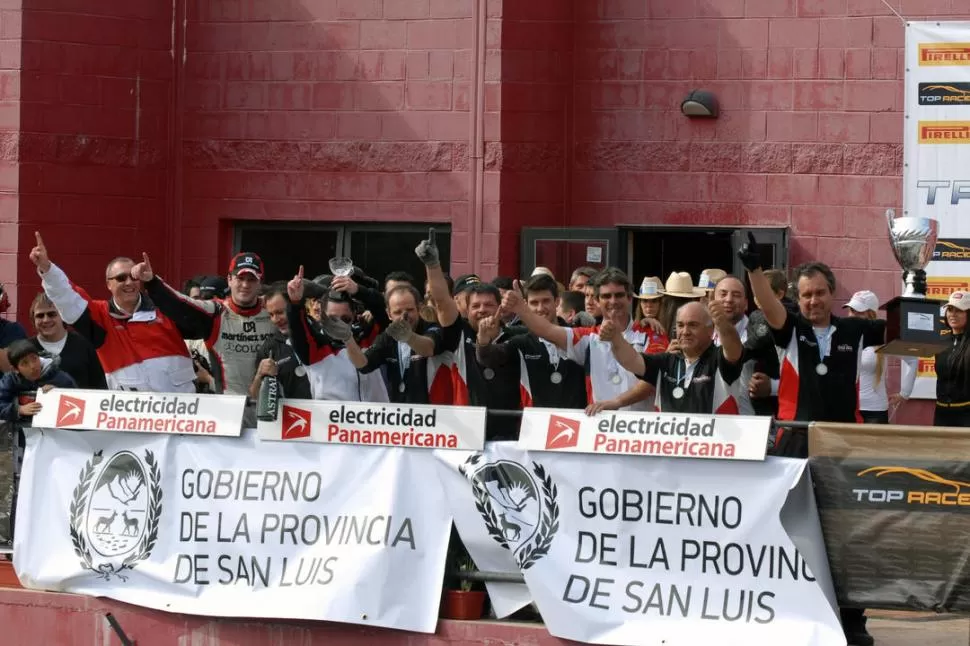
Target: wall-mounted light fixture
700 103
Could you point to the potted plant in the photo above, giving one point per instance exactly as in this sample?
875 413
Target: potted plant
461 600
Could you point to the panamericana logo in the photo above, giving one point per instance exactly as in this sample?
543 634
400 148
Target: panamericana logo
944 132
944 54
911 486
944 93
952 249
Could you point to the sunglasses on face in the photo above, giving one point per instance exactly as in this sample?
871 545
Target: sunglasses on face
123 278
45 315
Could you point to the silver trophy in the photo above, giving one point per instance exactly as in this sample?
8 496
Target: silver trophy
912 322
913 241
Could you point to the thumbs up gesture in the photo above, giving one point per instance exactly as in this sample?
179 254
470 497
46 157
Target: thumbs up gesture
749 254
294 288
512 301
143 270
38 255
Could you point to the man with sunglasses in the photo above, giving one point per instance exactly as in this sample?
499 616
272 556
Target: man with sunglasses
233 328
139 347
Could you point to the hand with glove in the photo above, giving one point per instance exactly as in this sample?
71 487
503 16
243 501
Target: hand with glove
336 329
427 251
749 254
400 330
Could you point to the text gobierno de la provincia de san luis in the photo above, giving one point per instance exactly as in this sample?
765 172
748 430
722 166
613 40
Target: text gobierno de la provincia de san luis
215 537
688 559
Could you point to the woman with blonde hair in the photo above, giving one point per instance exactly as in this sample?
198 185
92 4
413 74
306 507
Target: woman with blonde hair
874 404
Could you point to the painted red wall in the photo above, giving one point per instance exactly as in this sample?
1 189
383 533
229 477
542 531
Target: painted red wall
94 107
339 110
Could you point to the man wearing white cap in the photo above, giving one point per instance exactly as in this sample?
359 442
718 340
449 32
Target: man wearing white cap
953 367
874 404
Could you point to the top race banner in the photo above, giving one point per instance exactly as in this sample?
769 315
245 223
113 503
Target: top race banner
235 527
141 412
374 424
936 156
620 550
672 435
895 510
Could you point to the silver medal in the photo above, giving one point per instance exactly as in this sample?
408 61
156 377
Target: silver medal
556 377
822 369
488 373
299 371
401 387
678 393
616 379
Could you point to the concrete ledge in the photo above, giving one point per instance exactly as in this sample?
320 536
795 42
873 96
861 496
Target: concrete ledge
29 617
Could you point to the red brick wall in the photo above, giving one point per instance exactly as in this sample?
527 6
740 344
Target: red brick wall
95 87
810 134
9 126
338 110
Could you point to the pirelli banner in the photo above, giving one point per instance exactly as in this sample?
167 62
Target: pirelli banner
936 152
895 513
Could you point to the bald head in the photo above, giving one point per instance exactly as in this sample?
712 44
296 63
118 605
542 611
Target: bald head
695 329
730 293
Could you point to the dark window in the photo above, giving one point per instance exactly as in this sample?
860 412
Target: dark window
381 251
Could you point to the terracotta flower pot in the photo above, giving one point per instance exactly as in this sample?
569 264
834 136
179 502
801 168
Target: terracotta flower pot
8 578
463 604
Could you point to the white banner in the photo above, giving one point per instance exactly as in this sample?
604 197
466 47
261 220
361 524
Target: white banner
141 412
674 435
411 425
235 527
935 154
621 550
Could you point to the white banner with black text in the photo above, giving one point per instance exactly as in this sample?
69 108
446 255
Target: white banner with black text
235 527
632 550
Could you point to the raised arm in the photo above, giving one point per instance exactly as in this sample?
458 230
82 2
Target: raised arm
309 344
487 353
513 302
775 312
731 346
372 299
194 319
423 345
427 253
626 355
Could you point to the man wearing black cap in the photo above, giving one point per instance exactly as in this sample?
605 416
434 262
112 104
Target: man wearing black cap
233 328
460 292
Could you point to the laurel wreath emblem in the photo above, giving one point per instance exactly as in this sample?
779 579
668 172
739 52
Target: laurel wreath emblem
149 538
538 546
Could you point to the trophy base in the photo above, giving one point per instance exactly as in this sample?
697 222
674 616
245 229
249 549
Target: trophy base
913 327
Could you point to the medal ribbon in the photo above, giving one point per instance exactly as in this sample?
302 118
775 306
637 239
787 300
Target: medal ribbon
403 358
824 340
555 355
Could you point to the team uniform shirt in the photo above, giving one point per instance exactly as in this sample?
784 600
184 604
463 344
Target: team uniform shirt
830 393
332 376
476 385
605 377
144 351
711 385
233 334
747 370
294 384
548 378
413 379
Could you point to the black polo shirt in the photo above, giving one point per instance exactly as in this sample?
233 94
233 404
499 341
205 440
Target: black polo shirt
545 382
420 373
712 387
829 394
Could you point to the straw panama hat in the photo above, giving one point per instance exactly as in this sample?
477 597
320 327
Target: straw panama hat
709 278
539 271
680 284
650 288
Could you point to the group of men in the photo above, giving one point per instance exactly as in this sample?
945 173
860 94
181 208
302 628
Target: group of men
469 342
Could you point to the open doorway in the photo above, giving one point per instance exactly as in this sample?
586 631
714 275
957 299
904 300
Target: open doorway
659 252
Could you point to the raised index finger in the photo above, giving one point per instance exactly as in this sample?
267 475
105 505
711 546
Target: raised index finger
40 241
431 236
751 239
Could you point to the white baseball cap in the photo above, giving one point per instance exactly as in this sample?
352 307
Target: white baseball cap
865 301
960 300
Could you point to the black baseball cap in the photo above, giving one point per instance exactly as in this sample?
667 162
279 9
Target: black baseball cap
247 262
464 282
213 287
